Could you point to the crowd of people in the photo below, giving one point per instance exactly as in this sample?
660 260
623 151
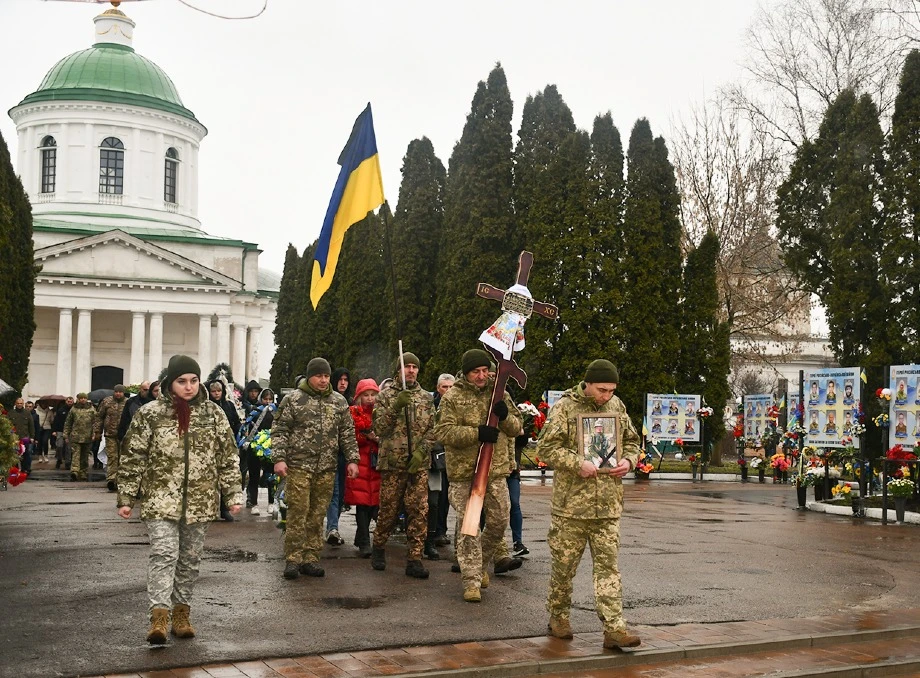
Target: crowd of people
399 455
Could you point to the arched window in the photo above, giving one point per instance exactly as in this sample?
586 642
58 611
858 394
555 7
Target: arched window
171 177
49 164
111 166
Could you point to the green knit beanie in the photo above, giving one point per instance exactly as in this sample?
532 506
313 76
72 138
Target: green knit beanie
318 366
602 372
474 358
178 365
82 394
408 359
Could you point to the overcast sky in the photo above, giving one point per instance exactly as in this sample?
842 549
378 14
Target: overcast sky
280 93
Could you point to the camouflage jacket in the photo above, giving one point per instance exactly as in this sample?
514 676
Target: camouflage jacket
390 426
78 427
310 428
108 417
464 408
179 477
574 496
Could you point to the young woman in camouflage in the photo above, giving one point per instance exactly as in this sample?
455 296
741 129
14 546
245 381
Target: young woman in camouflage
180 456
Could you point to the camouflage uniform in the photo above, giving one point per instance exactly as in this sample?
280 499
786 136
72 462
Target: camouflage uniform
177 479
462 410
397 484
308 430
78 431
108 416
585 511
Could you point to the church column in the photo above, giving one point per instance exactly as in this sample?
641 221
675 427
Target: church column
83 375
138 338
223 339
239 352
255 337
64 352
204 343
156 344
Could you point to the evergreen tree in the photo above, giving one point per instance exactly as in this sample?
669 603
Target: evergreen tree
479 240
416 232
362 302
17 275
286 322
652 270
543 178
705 352
606 258
830 224
901 260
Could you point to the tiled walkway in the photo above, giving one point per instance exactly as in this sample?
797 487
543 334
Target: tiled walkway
692 650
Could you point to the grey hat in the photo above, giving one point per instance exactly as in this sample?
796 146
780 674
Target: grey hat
318 366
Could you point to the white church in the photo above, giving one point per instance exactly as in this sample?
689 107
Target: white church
108 154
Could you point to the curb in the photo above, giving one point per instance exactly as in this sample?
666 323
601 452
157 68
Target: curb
627 658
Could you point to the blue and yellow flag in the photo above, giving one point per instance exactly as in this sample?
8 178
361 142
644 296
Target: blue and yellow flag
358 190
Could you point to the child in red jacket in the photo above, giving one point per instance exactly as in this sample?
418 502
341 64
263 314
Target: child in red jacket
363 492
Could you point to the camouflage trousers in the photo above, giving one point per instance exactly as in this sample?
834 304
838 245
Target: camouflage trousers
567 540
475 553
307 496
175 554
79 464
112 451
401 488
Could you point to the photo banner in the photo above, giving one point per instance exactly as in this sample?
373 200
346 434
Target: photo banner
671 416
792 408
755 414
904 408
831 405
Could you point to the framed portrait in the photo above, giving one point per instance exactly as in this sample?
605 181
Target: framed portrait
598 439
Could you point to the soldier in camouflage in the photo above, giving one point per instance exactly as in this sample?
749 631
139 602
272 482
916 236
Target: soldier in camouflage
587 503
78 433
180 457
108 416
312 423
403 472
461 428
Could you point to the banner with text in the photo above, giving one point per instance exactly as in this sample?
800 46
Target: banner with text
831 405
904 409
673 416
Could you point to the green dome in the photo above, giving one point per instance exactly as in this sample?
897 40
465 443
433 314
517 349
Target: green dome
111 73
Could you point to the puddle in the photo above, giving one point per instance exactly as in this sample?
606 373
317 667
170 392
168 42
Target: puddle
65 503
353 603
130 543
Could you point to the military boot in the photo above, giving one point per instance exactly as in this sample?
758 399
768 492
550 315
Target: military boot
181 626
431 553
560 627
507 564
484 580
159 621
614 640
471 594
379 559
414 568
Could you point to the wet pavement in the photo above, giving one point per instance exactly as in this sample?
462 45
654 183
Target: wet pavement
706 556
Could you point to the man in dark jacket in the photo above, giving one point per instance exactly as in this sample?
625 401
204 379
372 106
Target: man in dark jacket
22 422
217 392
61 446
134 403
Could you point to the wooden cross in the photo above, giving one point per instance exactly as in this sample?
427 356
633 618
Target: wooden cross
505 368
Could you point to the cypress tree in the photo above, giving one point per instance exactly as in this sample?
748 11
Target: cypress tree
705 352
830 225
362 302
286 321
17 275
652 270
479 238
605 258
902 257
416 232
543 177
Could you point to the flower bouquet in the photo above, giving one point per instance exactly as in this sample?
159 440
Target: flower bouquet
644 467
901 487
804 479
840 492
779 462
10 449
704 413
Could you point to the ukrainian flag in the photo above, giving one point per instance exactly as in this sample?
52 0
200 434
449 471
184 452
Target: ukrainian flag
358 190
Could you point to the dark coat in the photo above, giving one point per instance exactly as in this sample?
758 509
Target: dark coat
229 408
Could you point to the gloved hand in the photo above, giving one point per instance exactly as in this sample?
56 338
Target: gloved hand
500 410
402 401
419 460
488 434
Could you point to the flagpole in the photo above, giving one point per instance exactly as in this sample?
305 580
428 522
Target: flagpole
402 364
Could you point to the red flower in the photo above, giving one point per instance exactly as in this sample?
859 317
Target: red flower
899 453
